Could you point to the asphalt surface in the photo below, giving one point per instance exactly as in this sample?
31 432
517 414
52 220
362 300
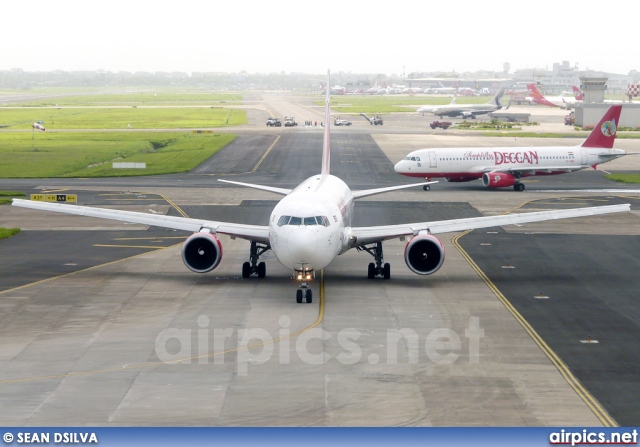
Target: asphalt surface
590 281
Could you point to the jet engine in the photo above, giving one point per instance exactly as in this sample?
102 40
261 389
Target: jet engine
424 254
469 115
497 179
202 252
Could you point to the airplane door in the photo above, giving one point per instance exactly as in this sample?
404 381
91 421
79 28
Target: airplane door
584 159
433 161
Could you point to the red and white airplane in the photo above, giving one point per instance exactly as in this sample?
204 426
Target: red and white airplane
311 226
503 167
565 102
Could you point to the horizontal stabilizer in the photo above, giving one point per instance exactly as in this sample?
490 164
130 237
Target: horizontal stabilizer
373 192
281 191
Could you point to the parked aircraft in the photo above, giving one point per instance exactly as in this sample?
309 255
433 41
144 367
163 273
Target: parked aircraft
503 167
311 226
577 94
466 110
565 102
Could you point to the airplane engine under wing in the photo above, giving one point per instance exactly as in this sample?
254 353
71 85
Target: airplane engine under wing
497 179
202 252
424 254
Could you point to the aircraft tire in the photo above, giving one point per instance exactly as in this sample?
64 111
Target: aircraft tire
262 270
299 296
309 296
387 271
371 271
246 270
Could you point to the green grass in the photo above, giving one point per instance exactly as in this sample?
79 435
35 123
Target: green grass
7 196
624 178
139 99
121 118
8 232
90 154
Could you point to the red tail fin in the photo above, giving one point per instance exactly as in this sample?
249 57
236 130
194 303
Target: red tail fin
534 92
604 134
577 93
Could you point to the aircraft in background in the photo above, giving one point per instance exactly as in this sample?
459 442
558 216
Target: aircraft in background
311 226
565 102
504 167
577 94
465 110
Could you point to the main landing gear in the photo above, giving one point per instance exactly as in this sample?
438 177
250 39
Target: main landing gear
304 292
379 268
518 186
249 268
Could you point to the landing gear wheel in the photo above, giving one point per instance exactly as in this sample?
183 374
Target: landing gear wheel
309 296
262 270
519 186
387 271
426 187
246 270
299 296
371 271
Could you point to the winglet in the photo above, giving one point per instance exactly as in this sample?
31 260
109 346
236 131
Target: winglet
604 134
326 146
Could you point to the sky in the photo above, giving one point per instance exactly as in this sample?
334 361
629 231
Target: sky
312 36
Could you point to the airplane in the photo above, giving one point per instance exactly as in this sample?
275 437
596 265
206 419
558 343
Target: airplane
564 102
466 110
503 167
311 226
38 126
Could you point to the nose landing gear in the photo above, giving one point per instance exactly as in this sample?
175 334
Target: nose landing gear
304 292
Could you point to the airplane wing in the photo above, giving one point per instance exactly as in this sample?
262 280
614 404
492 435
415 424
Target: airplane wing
369 235
256 233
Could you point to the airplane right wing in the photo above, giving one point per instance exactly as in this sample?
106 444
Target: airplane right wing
369 235
258 233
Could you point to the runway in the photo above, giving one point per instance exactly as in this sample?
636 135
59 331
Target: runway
143 341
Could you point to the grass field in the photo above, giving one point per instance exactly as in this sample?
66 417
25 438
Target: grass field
394 103
89 154
121 118
624 178
6 196
138 99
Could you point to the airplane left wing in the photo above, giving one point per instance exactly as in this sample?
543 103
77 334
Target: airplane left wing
368 235
256 233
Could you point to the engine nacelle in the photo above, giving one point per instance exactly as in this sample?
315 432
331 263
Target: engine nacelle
424 254
202 252
469 115
497 179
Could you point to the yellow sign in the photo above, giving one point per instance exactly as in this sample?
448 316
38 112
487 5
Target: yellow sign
55 198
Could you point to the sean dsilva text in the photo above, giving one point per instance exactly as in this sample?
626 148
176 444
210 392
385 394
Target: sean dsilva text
57 438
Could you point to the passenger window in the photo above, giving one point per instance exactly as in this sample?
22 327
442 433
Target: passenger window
295 221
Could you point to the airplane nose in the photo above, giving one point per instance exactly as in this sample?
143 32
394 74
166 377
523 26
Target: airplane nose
302 244
398 167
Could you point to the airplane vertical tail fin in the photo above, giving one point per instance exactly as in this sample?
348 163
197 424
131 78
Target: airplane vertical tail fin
577 93
496 99
604 134
326 145
534 92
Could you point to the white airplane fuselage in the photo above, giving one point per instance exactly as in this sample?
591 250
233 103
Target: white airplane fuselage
307 227
467 164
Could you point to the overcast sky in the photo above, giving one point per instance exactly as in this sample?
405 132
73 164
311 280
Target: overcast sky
310 36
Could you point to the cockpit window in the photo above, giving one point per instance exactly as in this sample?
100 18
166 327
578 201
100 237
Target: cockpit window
307 221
